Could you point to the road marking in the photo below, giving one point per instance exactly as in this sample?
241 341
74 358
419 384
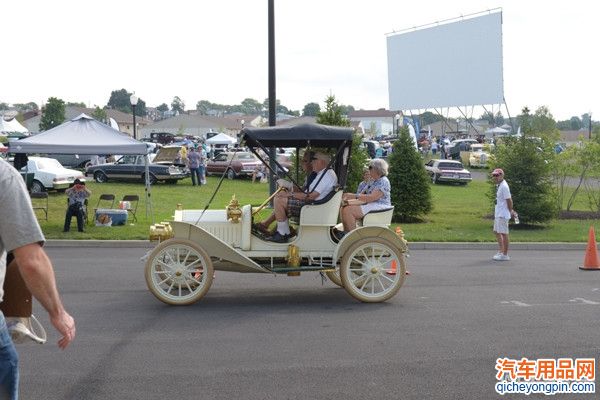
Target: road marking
516 303
575 301
582 300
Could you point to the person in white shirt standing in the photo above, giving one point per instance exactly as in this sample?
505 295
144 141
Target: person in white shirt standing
502 214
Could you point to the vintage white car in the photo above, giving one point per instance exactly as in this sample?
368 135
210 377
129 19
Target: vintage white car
480 155
369 262
49 174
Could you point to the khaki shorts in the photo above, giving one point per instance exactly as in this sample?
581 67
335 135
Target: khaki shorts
501 225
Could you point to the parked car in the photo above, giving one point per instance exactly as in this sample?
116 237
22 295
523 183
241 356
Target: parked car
132 167
371 146
170 155
49 174
480 155
447 171
458 145
162 137
236 164
72 160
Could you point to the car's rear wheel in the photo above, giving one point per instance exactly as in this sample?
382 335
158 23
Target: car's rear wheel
37 187
100 177
230 174
373 270
179 272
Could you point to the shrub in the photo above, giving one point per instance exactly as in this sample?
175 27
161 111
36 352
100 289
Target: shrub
526 166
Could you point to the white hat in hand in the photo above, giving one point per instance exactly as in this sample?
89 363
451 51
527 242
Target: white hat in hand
284 184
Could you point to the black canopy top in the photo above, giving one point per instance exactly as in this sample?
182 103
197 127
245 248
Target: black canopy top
302 135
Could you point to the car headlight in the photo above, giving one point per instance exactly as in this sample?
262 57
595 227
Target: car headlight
173 170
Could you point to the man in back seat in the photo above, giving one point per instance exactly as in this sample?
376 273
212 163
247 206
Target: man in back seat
289 204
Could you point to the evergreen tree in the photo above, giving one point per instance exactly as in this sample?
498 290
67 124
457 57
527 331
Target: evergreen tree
53 114
333 116
411 192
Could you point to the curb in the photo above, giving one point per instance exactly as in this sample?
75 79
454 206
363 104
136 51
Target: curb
411 245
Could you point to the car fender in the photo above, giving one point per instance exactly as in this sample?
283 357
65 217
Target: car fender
367 232
215 247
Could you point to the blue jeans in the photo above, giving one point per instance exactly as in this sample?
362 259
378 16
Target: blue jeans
196 176
9 364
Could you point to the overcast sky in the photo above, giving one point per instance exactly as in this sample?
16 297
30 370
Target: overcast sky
217 50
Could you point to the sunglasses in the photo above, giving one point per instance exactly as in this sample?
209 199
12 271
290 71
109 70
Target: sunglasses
495 174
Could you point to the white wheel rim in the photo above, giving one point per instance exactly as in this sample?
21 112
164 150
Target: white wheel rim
177 272
371 270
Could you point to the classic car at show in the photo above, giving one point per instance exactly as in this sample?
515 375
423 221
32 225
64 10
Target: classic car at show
49 174
133 168
480 155
447 171
368 262
234 164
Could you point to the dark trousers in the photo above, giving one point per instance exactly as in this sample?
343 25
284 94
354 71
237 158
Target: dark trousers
77 211
196 176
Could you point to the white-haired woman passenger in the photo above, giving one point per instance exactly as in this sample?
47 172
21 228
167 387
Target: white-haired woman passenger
376 198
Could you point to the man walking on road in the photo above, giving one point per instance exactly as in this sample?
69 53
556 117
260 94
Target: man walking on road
502 214
20 233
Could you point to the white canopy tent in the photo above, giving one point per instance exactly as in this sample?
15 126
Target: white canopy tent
11 125
497 131
221 138
84 135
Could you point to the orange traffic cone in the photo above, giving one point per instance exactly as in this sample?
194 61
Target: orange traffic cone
591 263
394 268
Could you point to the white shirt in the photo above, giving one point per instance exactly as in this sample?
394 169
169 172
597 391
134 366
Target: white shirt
502 194
326 185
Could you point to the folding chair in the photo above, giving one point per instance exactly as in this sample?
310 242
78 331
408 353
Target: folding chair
38 203
105 198
133 200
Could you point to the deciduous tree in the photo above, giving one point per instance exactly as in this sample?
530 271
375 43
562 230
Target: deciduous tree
53 114
311 110
333 116
120 100
177 105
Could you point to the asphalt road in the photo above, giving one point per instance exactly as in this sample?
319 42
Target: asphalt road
278 337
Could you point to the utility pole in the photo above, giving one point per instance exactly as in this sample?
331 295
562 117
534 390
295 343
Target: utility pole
272 95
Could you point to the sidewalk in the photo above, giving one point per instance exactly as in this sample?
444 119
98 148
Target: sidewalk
411 245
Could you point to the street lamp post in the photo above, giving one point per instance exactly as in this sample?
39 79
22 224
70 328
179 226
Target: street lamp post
397 118
133 99
240 134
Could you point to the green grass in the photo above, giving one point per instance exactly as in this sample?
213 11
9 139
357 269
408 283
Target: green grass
459 213
463 214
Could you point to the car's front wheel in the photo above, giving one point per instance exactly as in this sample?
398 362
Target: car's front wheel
230 174
151 178
37 187
100 177
373 270
179 272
